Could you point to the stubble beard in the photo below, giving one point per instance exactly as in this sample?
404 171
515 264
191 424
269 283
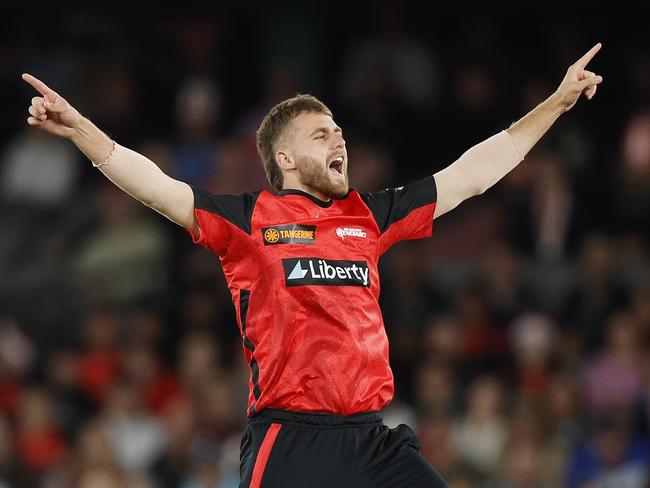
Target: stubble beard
314 175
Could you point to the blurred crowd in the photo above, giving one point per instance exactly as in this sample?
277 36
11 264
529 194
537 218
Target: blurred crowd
519 334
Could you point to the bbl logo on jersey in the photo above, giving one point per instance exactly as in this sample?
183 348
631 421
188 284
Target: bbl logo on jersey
318 271
289 234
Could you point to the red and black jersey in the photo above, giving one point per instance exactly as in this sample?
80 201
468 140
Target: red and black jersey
303 277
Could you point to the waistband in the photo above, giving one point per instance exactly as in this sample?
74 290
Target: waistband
317 419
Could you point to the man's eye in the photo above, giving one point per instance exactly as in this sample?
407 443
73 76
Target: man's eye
322 136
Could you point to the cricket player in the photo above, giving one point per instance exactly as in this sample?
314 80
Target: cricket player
300 260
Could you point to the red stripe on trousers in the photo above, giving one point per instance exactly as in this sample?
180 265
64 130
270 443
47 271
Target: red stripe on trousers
263 455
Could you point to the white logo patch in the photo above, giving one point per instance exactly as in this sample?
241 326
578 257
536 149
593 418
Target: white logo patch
318 271
344 232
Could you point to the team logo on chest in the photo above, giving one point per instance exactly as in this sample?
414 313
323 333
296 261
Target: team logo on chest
344 232
289 234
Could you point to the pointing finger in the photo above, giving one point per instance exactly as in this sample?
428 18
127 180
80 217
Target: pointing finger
39 86
582 62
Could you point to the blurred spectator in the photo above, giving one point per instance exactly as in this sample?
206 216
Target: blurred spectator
437 446
195 155
532 339
480 435
204 465
501 276
632 176
17 352
234 174
100 362
612 379
72 405
123 259
523 467
640 308
159 387
95 462
552 205
435 389
562 424
136 437
39 442
38 170
597 292
180 424
613 456
483 343
198 358
442 339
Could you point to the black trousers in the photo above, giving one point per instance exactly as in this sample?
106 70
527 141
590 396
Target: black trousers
282 449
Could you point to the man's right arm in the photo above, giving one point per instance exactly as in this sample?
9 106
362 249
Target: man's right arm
132 172
137 175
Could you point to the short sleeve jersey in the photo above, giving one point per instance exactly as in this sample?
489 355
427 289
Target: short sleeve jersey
303 277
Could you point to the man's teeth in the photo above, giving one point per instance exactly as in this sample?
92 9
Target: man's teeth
336 165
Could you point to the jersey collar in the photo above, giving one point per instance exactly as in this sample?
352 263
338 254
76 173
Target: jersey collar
316 200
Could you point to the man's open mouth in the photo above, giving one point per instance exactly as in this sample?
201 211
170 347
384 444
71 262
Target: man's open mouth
336 166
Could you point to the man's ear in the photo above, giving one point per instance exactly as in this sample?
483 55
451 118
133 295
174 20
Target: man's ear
285 161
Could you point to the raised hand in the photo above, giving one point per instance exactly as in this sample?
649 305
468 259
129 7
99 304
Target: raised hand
51 112
579 81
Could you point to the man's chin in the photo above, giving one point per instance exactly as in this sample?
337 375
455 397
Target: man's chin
337 191
326 184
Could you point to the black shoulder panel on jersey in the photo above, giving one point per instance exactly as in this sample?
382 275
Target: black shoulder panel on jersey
394 204
236 209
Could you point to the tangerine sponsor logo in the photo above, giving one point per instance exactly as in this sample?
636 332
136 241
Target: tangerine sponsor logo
289 234
271 235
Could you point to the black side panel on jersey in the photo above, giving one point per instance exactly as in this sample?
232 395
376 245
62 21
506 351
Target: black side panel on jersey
393 204
236 209
244 297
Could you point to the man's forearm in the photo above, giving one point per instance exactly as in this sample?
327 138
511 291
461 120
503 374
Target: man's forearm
92 141
137 178
136 174
486 163
530 128
480 167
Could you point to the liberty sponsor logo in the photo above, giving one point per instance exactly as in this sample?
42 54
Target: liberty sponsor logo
289 234
317 271
344 232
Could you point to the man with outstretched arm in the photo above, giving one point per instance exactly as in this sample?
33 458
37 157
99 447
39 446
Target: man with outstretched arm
301 265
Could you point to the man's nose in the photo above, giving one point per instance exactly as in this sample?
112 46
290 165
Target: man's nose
340 142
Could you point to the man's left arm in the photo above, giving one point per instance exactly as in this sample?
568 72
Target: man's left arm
481 166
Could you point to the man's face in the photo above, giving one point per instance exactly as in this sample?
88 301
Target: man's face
316 145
